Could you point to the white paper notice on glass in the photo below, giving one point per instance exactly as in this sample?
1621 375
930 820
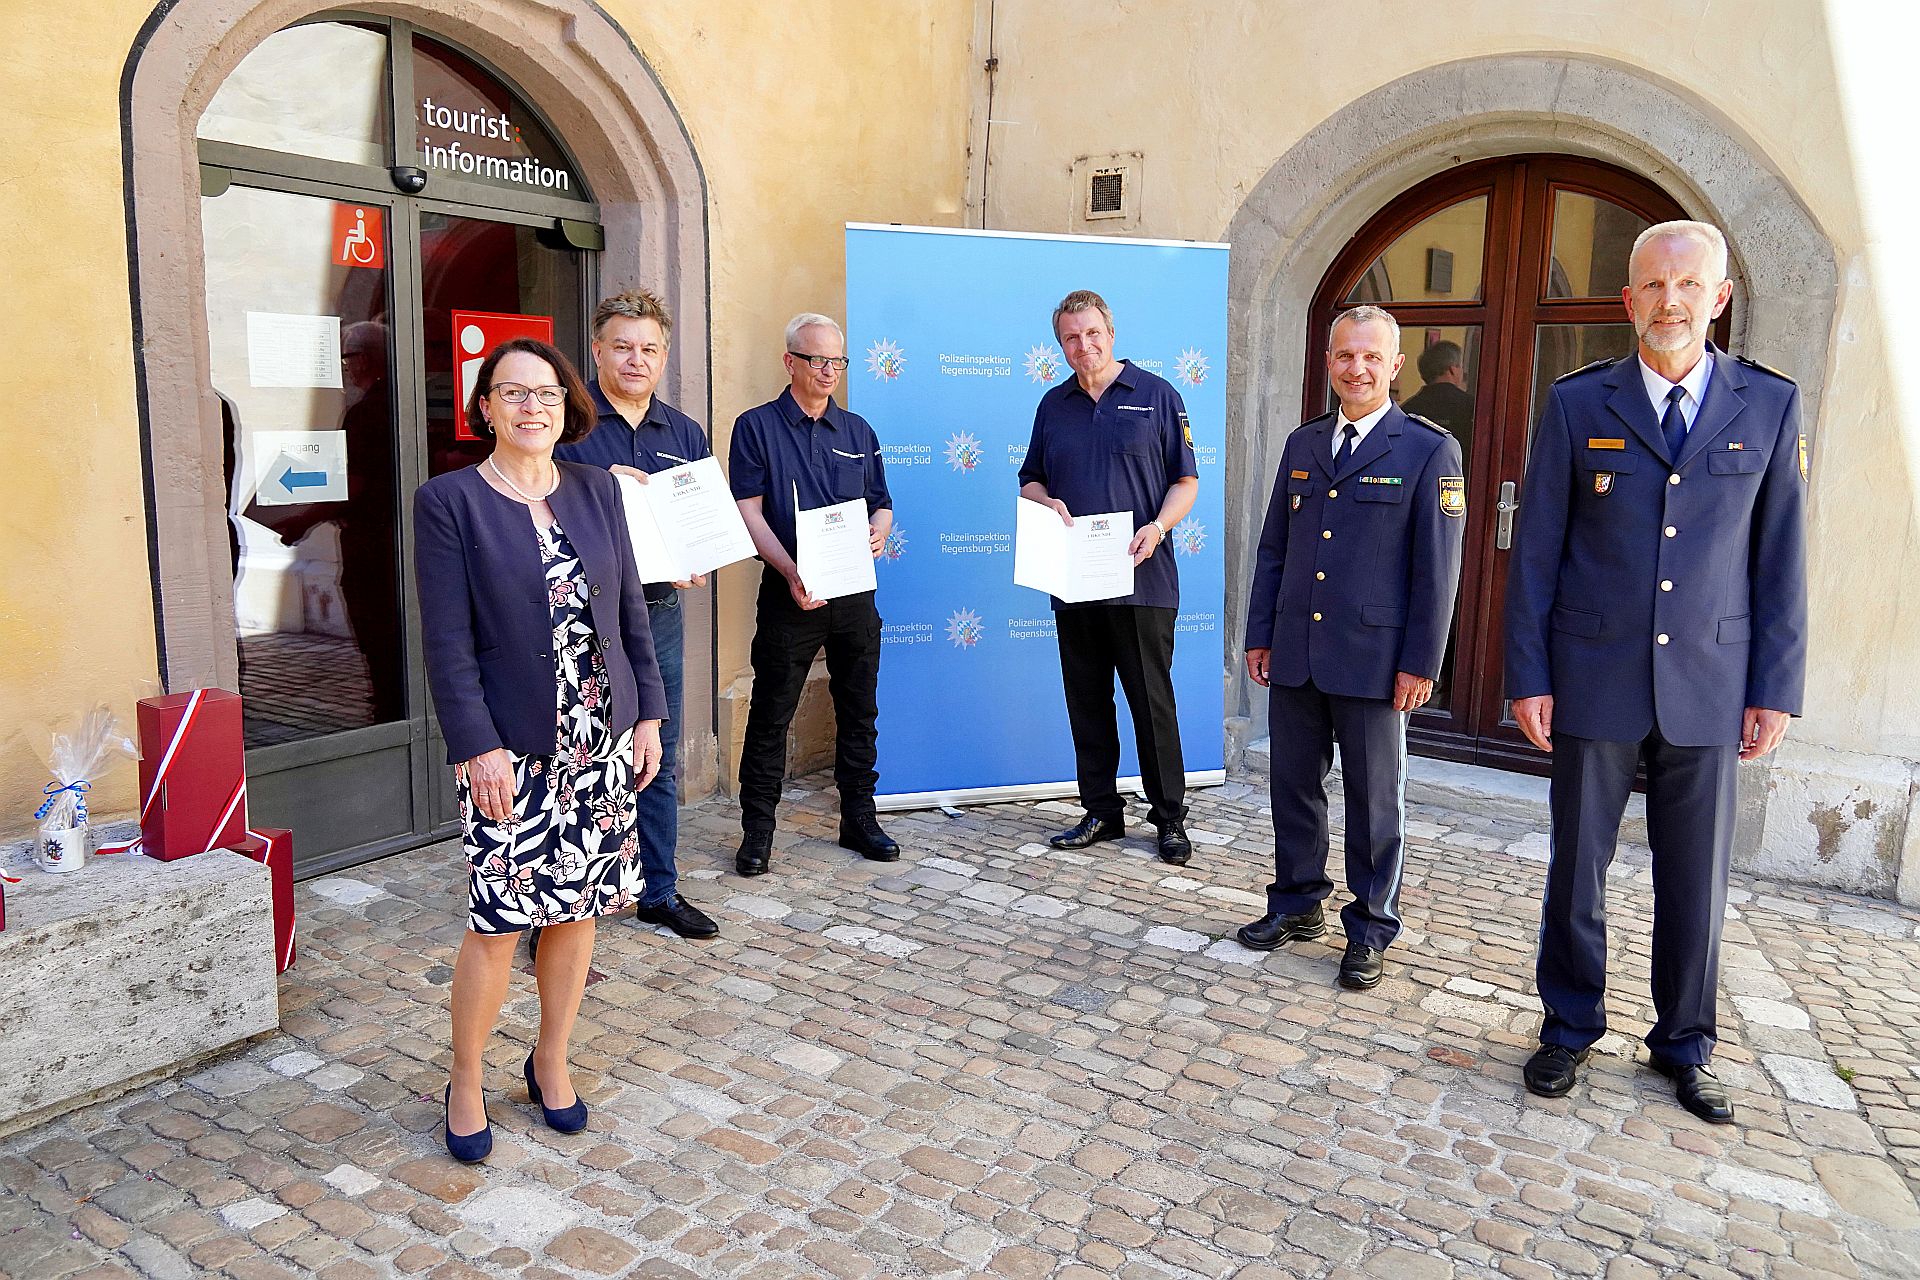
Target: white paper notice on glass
1086 560
292 351
691 523
831 549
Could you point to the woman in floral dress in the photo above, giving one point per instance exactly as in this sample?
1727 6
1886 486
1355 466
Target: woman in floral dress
545 685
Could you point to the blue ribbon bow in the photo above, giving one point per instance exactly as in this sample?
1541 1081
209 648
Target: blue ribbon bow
53 790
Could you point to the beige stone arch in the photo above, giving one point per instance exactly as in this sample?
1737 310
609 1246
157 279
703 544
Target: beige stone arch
1324 189
570 59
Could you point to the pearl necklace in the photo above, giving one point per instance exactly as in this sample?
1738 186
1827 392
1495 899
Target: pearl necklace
527 498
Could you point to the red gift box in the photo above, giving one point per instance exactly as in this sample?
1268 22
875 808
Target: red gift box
193 774
274 847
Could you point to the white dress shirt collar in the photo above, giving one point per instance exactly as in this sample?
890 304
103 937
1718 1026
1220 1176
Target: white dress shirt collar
1360 427
1694 384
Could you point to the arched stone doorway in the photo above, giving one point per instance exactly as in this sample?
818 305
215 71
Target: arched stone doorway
627 147
1307 208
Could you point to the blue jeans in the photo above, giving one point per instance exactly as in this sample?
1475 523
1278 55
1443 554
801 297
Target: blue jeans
658 807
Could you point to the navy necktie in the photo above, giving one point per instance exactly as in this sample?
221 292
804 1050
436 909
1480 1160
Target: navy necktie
1673 425
1347 432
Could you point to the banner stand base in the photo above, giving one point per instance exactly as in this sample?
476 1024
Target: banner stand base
1020 792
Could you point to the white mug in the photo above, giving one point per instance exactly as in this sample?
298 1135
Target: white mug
63 850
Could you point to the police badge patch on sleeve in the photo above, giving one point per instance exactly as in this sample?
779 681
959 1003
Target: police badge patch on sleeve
1803 457
1453 495
1186 429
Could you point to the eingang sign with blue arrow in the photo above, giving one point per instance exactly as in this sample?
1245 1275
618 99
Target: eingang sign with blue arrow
299 466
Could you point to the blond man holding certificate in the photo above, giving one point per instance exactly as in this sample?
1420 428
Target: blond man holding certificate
1111 447
812 489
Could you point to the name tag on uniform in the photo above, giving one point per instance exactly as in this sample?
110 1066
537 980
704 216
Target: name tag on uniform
855 456
1136 408
1297 475
1737 444
1606 444
1382 480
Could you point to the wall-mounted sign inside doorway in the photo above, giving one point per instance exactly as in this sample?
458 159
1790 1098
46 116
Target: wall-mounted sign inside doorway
474 334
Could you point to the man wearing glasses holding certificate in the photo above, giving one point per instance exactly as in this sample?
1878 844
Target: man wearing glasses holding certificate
805 470
1115 440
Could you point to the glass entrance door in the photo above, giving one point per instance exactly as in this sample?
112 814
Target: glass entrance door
375 204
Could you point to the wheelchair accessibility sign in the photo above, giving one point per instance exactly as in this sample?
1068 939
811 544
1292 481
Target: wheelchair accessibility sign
299 466
359 236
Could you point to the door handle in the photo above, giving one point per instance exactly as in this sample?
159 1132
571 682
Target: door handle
1503 529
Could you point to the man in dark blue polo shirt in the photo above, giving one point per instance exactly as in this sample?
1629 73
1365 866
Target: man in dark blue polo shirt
1116 439
802 448
639 433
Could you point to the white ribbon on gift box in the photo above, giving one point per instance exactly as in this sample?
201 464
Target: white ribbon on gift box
234 801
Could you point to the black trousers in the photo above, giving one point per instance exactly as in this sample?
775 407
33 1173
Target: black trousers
1135 643
1691 797
1305 723
784 644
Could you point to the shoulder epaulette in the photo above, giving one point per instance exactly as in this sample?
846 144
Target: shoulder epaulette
1428 423
1751 363
1589 368
1314 422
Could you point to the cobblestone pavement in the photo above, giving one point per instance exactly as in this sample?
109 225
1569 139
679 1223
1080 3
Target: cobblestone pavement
992 1058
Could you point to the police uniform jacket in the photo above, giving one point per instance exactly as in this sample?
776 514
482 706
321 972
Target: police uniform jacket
1645 589
486 623
1357 569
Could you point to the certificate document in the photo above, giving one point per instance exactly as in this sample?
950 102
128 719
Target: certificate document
832 552
684 522
1086 560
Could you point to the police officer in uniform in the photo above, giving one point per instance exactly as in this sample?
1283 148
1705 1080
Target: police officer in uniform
1346 626
638 433
1656 613
1116 438
802 447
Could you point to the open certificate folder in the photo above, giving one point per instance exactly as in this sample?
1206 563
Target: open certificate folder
1086 560
831 549
684 522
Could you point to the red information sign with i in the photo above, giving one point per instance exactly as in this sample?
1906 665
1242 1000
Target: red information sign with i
474 334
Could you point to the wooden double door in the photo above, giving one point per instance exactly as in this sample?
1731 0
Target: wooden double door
1503 274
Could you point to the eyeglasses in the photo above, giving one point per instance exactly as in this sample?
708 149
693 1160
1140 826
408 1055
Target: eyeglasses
822 363
514 393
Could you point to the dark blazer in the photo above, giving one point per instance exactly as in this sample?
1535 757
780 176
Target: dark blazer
1349 611
1646 590
484 614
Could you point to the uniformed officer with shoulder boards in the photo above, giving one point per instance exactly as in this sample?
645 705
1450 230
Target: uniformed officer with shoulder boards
1352 598
1656 613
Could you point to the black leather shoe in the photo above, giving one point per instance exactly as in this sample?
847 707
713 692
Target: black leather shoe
1270 930
861 833
680 916
755 848
1089 830
1362 967
1175 848
1698 1090
1552 1069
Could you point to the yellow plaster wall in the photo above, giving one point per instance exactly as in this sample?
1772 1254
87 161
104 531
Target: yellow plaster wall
1213 94
76 608
805 115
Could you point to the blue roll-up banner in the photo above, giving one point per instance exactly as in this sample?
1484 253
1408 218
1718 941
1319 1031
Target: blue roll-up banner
952 342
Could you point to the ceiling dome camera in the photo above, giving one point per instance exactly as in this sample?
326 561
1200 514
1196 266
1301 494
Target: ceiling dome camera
408 178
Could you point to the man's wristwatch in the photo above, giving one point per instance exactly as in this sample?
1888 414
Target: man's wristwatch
1162 528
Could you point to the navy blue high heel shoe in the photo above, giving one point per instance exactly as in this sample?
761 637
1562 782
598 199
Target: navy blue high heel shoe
566 1120
468 1148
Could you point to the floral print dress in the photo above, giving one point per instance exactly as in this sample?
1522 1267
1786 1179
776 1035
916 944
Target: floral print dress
571 850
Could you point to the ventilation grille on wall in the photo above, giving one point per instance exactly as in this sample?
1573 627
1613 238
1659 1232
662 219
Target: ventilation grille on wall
1107 191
